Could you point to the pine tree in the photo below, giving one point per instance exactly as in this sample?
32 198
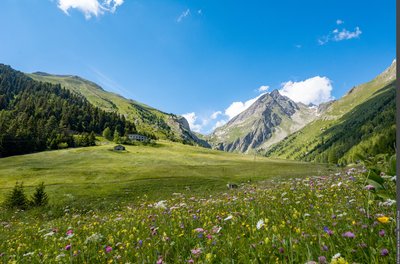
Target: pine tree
17 198
40 198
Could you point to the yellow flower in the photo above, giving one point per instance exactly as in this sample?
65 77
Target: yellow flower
208 256
383 219
339 260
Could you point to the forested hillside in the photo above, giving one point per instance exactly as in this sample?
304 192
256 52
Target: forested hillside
36 116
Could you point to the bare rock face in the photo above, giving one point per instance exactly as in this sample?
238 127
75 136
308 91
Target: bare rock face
271 116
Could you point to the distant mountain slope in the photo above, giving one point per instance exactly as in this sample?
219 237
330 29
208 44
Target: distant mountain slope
36 116
268 120
146 118
361 123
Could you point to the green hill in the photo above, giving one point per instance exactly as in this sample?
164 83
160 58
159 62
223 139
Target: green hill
361 123
146 118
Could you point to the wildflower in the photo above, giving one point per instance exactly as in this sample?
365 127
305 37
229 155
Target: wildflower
228 218
28 254
322 259
199 230
191 261
160 260
325 248
94 238
68 247
216 229
69 232
384 252
383 219
208 256
369 187
328 231
108 249
281 250
160 205
196 251
349 234
387 203
260 224
382 233
51 233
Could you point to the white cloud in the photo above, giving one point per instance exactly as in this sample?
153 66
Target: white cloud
90 7
314 90
339 35
183 15
192 118
339 22
345 34
237 107
219 123
215 115
263 88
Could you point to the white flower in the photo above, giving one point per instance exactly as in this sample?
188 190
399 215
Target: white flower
336 256
94 238
339 184
387 203
260 224
28 254
49 234
306 215
160 205
228 218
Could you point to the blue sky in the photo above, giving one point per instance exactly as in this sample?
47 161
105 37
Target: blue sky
204 59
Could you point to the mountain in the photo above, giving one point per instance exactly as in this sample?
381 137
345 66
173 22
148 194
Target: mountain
268 120
147 119
360 124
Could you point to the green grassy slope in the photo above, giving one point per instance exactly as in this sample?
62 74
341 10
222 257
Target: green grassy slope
98 172
359 123
146 118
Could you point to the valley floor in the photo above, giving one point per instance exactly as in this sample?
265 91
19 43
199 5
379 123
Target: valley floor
170 204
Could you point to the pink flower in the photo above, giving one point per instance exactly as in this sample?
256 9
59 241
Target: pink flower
108 249
369 187
199 230
196 251
160 261
69 232
349 234
67 247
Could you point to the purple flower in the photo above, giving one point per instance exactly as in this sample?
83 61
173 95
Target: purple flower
69 232
322 260
199 230
196 251
325 248
108 249
384 252
328 231
281 250
349 234
140 243
160 261
67 247
369 187
191 261
382 233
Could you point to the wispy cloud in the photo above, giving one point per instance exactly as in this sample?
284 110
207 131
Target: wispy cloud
183 15
90 7
340 34
263 88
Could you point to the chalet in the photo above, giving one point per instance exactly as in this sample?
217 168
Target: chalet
119 148
137 137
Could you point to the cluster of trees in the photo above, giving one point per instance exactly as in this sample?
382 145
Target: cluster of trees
17 198
36 116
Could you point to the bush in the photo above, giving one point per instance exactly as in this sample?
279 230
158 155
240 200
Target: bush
17 198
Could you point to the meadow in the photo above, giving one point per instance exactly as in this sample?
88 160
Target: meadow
172 206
